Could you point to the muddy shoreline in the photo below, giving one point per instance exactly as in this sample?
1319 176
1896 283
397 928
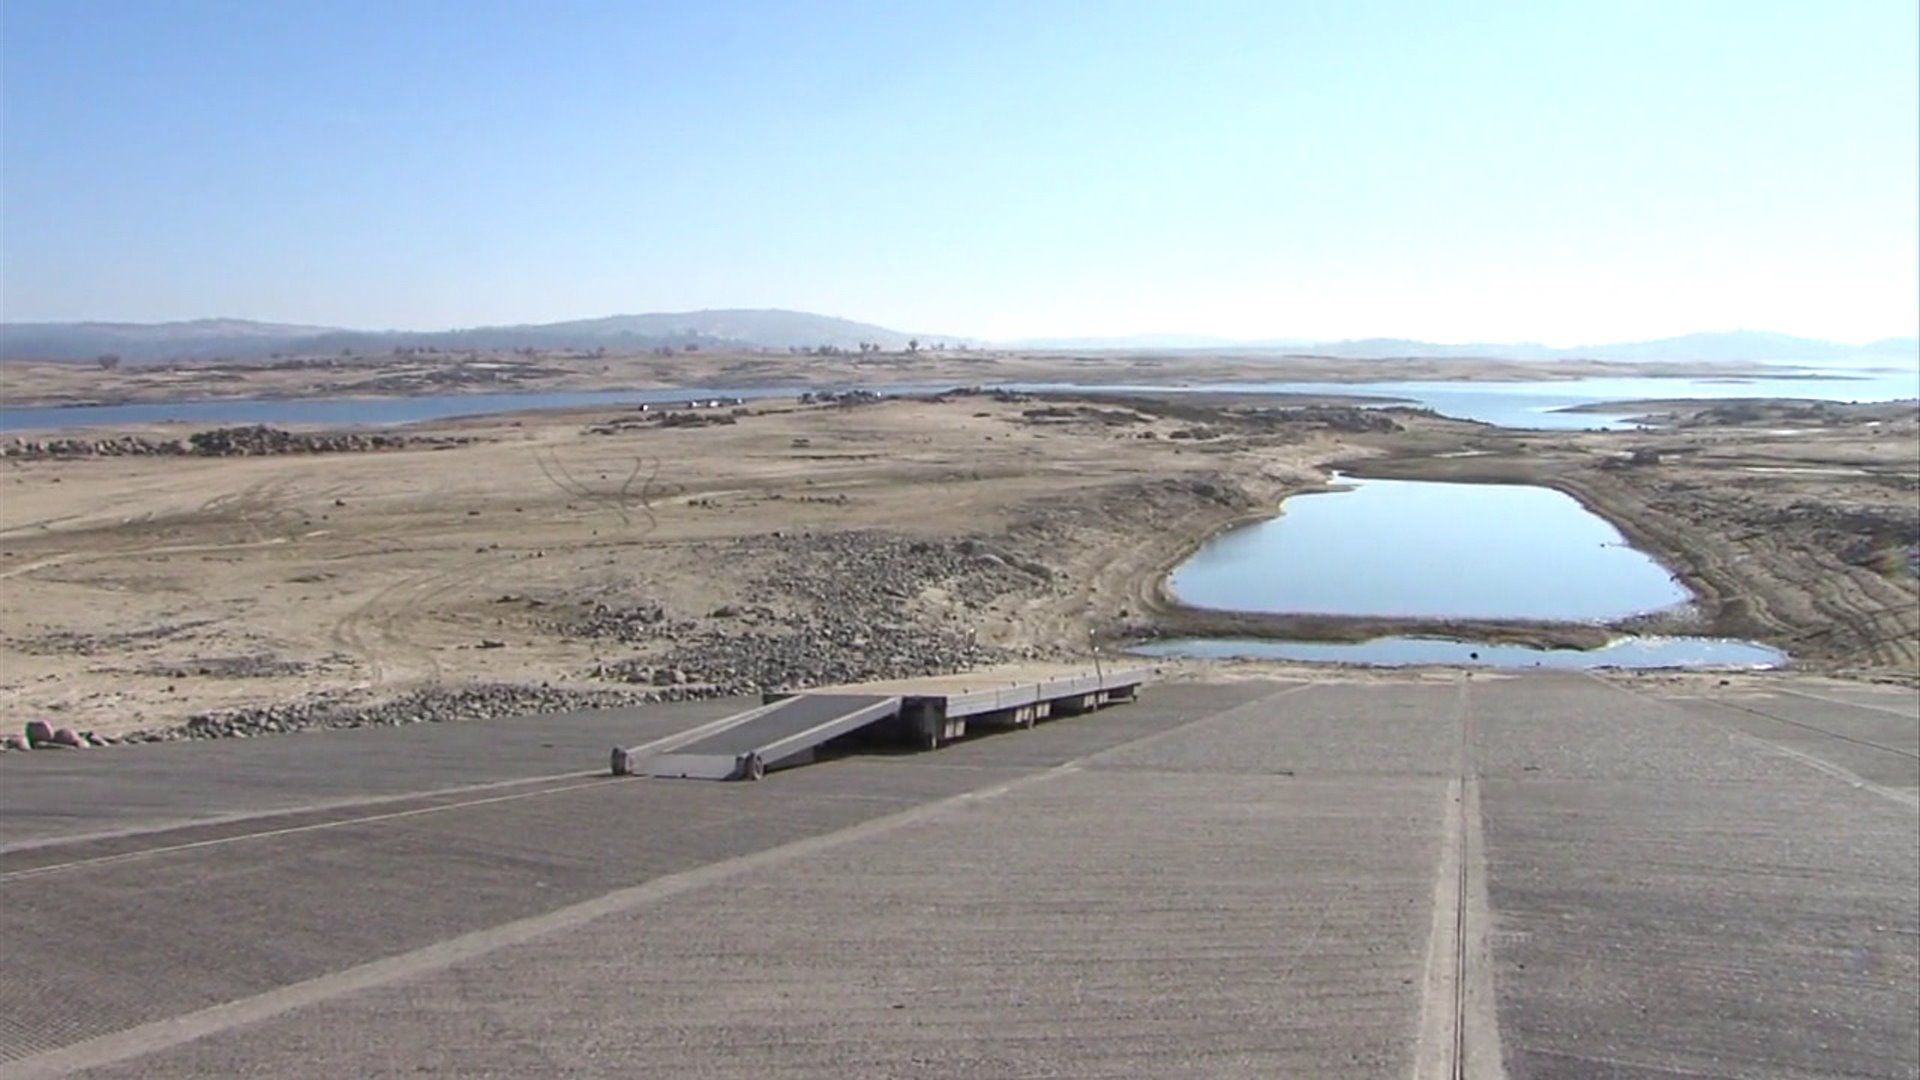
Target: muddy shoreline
36 384
1721 604
1726 602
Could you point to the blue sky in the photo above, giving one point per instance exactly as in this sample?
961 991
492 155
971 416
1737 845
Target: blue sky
1454 171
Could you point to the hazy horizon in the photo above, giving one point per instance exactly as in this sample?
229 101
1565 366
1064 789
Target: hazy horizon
1510 172
1149 339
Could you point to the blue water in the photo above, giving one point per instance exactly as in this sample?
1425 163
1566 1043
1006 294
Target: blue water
1530 404
1539 404
351 411
1419 549
1626 652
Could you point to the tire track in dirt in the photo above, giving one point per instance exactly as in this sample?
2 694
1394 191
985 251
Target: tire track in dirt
387 629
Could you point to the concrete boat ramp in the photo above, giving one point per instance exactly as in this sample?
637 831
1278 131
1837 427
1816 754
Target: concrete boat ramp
792 729
1409 875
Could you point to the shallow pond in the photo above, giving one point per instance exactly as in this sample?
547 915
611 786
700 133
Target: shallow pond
1627 652
1417 549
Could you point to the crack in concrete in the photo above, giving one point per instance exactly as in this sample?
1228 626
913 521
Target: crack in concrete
1459 1033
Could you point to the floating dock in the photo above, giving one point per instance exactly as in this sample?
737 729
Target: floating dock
789 730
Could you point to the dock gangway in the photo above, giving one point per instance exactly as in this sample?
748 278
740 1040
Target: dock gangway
745 745
789 730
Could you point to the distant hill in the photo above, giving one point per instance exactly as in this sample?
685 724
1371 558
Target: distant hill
240 339
769 328
1750 345
1726 346
1145 341
142 341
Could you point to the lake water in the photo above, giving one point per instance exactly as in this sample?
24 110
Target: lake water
1539 404
1419 549
355 411
1531 404
1626 652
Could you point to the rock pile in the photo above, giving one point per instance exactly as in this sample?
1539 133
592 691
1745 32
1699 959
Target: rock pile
430 706
40 735
435 705
261 439
223 442
696 419
996 393
646 621
859 617
1351 419
651 419
120 446
841 397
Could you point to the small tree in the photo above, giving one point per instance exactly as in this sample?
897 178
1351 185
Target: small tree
913 344
108 361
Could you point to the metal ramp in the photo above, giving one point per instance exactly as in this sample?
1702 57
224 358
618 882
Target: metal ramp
745 745
925 713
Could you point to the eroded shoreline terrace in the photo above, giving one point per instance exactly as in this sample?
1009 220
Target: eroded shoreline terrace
508 563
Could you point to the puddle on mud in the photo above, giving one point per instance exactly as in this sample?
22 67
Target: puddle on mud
1626 652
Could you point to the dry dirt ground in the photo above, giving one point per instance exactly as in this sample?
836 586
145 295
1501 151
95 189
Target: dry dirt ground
138 591
606 553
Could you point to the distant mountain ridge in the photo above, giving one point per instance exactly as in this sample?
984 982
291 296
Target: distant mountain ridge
1736 345
773 328
241 339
